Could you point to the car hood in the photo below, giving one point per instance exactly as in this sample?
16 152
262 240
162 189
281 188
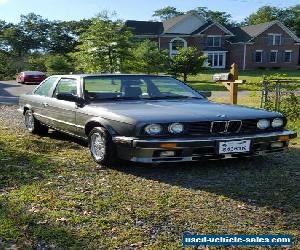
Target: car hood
179 111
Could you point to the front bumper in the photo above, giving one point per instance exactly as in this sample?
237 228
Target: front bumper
196 148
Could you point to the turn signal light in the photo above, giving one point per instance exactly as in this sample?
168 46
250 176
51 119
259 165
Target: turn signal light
283 138
168 145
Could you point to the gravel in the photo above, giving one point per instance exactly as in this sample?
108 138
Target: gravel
11 117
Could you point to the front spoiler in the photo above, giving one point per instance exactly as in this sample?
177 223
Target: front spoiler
195 148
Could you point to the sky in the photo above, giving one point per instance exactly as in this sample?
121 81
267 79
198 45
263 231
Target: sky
10 10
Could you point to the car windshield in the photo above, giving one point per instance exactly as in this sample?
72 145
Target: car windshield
134 87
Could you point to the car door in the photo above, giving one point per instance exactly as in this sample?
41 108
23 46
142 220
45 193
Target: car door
63 112
40 98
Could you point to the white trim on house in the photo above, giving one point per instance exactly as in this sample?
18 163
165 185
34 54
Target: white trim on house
217 54
172 35
290 58
214 36
261 55
272 51
274 35
175 52
146 36
245 55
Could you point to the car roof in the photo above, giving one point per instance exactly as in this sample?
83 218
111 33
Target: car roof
116 74
33 72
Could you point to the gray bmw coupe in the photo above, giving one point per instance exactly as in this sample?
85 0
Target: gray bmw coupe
150 119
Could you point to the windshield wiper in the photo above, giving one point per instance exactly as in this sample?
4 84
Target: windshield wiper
117 98
173 97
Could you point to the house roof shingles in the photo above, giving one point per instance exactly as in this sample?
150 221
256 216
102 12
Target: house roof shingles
254 30
172 21
241 34
145 27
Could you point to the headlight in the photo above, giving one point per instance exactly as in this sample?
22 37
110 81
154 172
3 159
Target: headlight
176 128
263 124
153 129
277 122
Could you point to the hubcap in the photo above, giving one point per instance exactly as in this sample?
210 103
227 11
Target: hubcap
29 121
98 146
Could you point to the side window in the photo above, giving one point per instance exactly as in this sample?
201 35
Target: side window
45 87
66 85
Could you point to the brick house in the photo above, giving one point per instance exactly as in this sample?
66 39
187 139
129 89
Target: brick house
266 45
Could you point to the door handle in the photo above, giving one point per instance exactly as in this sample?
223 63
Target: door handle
45 104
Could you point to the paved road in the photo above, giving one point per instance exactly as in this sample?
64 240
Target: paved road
11 90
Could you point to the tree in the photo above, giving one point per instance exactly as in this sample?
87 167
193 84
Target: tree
57 64
217 16
189 61
167 13
263 15
147 58
290 17
4 65
63 36
103 47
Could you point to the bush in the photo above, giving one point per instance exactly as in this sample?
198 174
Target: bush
289 103
189 61
58 64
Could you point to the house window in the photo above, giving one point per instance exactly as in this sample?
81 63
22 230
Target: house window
258 56
274 39
216 59
214 41
273 56
287 56
176 44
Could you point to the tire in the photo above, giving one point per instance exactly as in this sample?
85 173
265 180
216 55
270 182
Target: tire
32 125
105 152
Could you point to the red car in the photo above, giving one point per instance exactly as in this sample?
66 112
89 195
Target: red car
35 77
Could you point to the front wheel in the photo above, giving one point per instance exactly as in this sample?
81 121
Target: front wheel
33 125
101 147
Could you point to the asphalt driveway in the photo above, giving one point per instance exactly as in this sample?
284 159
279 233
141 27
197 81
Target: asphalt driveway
11 90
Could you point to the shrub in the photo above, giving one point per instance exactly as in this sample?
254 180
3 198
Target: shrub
58 64
261 68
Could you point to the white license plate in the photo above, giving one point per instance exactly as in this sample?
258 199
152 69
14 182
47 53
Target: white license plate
228 147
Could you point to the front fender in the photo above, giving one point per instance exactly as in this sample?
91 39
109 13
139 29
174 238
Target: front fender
115 128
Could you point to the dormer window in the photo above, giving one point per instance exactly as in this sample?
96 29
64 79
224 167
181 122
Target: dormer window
274 39
214 41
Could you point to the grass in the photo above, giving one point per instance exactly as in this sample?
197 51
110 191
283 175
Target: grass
204 81
53 195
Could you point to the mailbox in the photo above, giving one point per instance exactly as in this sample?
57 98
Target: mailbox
223 77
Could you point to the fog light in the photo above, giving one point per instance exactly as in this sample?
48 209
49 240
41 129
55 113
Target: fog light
167 153
168 145
277 144
283 138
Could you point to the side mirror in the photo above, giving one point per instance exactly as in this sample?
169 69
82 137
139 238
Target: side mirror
205 93
70 97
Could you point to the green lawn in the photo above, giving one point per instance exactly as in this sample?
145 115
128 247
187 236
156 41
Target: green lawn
53 195
204 81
